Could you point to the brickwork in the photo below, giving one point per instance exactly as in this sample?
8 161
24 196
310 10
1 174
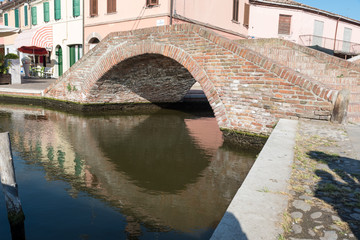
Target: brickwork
332 71
247 92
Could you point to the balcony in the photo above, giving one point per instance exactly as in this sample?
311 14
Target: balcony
329 45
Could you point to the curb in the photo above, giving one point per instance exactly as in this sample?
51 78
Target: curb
256 210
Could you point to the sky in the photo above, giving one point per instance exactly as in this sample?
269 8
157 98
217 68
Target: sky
347 8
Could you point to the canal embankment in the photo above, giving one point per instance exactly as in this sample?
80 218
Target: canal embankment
305 184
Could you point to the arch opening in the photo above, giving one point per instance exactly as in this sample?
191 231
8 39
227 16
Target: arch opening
151 78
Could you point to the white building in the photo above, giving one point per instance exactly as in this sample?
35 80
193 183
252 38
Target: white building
52 25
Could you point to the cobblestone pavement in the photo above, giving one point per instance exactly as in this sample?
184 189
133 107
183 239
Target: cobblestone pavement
325 185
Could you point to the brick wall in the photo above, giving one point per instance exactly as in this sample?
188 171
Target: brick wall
247 91
326 69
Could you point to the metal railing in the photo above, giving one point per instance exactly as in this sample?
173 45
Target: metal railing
338 46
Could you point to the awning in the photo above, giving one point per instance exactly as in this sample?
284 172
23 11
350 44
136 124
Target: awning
35 39
7 31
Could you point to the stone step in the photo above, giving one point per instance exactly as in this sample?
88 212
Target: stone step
353 117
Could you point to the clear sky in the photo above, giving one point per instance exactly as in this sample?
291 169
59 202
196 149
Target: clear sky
347 8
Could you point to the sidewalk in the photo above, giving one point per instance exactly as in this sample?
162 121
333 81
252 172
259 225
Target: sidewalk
325 183
28 86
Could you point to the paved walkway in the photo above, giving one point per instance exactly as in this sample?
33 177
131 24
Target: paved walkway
325 183
28 86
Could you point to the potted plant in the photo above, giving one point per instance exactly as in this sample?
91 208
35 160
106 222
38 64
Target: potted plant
5 77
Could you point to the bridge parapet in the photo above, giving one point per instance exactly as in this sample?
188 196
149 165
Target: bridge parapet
247 91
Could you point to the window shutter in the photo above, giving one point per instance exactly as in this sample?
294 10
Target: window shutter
16 11
93 8
72 55
111 6
76 8
57 9
6 19
46 6
150 3
33 16
235 11
246 14
26 15
284 24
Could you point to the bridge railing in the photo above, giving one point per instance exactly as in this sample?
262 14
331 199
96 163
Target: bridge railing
338 46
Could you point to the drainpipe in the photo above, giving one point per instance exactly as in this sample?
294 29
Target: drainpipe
171 11
336 29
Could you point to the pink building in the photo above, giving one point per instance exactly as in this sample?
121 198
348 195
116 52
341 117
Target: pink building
304 25
228 17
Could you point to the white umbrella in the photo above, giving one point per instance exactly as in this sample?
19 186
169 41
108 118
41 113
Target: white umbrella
7 31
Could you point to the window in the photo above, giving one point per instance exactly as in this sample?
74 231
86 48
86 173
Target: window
33 16
16 11
26 15
57 7
75 53
93 8
6 20
111 6
246 14
46 6
235 11
76 8
284 24
151 3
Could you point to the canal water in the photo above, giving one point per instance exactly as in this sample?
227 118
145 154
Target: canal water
165 175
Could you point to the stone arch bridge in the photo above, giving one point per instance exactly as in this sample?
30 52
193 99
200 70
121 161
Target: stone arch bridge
247 90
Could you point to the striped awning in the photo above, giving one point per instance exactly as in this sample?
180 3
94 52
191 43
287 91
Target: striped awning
37 37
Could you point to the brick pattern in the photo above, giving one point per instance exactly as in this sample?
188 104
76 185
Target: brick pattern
332 71
247 91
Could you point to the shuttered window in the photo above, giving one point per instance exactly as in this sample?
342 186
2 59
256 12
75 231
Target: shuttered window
33 16
93 8
76 8
151 3
284 24
57 7
246 14
26 22
6 19
46 6
111 6
16 11
235 10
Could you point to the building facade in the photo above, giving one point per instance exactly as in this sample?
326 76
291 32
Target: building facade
54 25
229 17
304 25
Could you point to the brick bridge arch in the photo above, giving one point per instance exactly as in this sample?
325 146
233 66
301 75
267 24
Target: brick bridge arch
246 91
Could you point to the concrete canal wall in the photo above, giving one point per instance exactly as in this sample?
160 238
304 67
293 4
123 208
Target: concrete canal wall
256 210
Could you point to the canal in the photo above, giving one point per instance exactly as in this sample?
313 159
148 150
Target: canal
164 175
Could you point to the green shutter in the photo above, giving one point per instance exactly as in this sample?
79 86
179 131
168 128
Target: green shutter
26 15
72 55
46 12
33 16
6 19
16 17
57 10
76 8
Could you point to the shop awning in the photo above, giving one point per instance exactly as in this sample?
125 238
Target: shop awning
7 31
39 39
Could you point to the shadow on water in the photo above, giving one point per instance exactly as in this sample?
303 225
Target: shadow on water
342 194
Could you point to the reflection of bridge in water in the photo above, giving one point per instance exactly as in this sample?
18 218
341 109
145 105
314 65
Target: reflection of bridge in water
191 189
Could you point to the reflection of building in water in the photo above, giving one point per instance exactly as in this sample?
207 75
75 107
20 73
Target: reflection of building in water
122 160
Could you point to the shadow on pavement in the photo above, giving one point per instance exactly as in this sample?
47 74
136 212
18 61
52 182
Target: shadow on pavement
341 191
